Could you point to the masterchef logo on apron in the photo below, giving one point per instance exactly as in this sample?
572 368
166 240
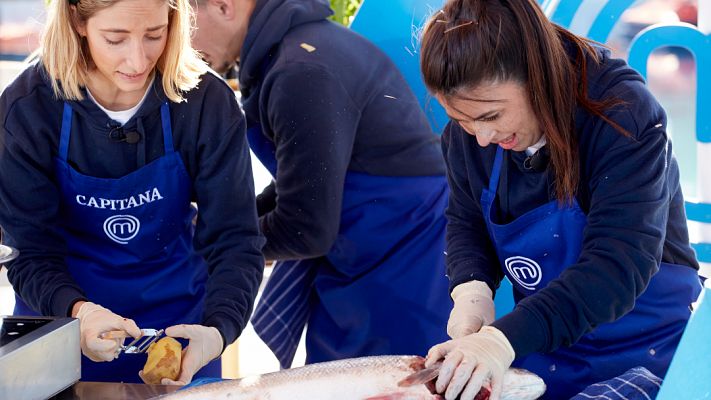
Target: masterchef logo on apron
121 228
525 271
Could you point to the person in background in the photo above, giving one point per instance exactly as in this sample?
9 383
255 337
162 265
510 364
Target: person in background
105 142
562 179
355 215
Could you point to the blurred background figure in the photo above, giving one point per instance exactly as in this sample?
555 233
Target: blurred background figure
355 214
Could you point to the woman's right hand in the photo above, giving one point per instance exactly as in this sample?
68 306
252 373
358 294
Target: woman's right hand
95 320
472 362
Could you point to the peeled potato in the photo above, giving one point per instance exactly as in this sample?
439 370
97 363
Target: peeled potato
163 361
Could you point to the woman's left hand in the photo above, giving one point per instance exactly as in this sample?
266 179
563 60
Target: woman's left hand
470 362
205 345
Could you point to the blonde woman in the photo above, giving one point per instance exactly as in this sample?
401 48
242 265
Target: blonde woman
105 142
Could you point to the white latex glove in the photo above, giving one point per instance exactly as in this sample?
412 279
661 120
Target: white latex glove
473 308
471 362
205 345
95 320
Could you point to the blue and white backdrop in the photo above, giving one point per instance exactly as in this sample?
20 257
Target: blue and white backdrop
681 53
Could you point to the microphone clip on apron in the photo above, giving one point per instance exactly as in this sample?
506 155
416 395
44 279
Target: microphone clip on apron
129 243
536 247
381 289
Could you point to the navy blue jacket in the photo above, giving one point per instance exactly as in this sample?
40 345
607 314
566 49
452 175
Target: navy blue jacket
629 189
214 151
341 107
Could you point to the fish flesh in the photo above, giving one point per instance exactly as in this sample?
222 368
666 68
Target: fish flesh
364 378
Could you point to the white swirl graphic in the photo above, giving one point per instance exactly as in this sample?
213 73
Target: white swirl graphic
524 271
122 228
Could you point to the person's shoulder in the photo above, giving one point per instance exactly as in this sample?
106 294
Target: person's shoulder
210 100
211 84
324 54
612 79
32 81
29 97
327 43
211 93
610 75
212 78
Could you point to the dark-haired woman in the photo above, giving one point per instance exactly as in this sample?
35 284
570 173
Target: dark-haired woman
563 180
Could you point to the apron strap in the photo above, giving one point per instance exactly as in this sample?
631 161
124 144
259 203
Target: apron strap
494 181
263 148
65 132
167 130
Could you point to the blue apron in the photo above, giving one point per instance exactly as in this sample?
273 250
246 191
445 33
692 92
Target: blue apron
381 289
535 248
129 245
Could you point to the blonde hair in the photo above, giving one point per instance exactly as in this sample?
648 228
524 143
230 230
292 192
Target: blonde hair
66 57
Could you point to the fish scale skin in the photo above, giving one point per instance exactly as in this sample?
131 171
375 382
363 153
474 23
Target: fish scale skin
361 378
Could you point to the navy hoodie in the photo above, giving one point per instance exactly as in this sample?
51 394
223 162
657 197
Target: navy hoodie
331 102
213 150
629 189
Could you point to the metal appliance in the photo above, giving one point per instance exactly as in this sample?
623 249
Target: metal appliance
39 356
7 254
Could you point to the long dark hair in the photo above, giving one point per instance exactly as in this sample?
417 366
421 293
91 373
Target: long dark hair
470 42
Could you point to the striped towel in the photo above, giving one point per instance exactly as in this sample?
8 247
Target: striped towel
283 309
636 384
